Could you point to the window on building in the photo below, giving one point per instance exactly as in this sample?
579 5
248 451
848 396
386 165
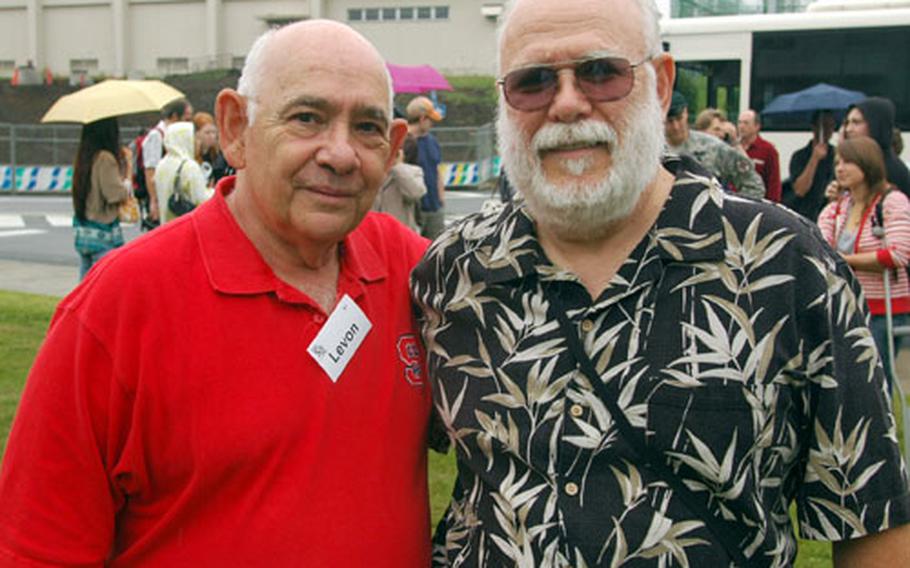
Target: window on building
86 66
697 8
391 14
173 65
859 59
281 22
709 84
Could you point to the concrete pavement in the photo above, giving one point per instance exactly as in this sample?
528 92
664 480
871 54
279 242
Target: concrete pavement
35 278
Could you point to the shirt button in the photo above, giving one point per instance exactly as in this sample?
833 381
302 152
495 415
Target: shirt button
571 489
576 410
587 325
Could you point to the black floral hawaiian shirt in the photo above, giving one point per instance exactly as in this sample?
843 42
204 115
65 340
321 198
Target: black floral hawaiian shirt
733 340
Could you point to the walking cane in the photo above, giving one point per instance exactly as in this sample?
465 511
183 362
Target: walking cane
892 367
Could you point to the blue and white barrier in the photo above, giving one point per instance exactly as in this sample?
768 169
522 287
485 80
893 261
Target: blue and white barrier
36 179
60 178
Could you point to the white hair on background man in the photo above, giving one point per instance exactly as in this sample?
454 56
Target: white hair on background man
575 209
251 75
650 15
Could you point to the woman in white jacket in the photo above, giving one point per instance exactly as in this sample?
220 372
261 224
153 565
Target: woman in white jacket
179 167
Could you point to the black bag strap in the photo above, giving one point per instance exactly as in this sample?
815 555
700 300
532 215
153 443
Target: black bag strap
651 458
177 179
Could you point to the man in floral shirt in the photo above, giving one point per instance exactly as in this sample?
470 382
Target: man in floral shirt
634 367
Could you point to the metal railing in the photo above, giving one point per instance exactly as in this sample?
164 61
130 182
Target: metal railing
56 144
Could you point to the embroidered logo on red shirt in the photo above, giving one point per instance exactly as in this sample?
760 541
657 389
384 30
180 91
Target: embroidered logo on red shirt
409 353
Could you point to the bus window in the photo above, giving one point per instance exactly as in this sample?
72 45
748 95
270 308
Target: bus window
709 84
871 60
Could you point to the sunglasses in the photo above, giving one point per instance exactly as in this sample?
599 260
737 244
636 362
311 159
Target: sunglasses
601 79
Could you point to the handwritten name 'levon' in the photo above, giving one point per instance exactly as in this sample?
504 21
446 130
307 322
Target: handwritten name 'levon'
346 340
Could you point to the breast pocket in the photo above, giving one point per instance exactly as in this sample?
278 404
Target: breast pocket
715 433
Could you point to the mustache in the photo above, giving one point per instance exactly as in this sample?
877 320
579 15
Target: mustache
587 132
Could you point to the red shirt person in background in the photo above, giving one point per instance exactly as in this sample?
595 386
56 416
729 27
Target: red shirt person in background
763 153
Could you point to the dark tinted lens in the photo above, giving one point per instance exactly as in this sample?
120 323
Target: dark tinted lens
530 89
605 79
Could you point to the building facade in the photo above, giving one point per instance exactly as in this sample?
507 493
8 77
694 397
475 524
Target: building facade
158 37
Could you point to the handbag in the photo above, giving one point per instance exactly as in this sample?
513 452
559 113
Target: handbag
128 212
92 237
178 203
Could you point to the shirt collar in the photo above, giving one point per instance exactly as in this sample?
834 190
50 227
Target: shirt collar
689 231
235 266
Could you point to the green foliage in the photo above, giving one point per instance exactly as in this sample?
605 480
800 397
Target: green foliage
472 101
442 477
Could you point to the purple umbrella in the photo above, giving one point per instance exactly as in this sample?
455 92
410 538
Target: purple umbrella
417 79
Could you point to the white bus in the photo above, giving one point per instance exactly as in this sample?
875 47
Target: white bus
739 62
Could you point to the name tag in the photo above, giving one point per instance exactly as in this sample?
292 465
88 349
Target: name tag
340 337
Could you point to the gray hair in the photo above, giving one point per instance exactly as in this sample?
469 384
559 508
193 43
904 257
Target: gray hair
251 76
651 29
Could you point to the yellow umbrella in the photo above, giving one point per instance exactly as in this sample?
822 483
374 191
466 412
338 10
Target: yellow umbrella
114 97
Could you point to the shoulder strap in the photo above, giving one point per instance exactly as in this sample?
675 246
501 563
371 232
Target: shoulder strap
878 220
177 178
652 459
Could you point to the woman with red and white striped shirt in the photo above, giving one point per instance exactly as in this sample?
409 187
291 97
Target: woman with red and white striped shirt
871 238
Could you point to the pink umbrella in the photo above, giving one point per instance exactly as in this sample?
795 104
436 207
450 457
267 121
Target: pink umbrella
417 79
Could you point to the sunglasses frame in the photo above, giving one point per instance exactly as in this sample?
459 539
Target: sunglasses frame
573 64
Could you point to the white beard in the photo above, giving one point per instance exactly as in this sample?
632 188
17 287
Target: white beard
575 209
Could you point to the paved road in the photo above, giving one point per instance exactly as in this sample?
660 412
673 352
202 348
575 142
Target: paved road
36 240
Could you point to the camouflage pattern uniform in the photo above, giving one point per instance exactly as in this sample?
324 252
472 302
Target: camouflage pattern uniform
724 161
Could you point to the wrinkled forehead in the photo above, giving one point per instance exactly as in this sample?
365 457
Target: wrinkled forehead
541 31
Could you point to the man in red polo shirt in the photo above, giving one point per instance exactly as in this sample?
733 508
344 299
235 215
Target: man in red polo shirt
763 153
243 387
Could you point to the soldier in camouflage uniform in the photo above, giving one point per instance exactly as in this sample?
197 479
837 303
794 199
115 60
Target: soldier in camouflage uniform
722 160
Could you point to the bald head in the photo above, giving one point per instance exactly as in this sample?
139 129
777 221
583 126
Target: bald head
305 43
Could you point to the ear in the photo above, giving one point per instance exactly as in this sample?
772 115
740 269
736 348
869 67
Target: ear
231 118
665 69
398 131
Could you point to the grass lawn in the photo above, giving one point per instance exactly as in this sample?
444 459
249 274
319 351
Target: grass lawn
23 322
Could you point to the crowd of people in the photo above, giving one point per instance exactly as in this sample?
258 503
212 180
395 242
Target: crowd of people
177 156
634 364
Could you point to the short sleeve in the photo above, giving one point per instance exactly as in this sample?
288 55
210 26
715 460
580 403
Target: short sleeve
152 151
855 480
57 499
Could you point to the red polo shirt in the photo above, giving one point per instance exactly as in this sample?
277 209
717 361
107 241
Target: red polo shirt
767 164
173 416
